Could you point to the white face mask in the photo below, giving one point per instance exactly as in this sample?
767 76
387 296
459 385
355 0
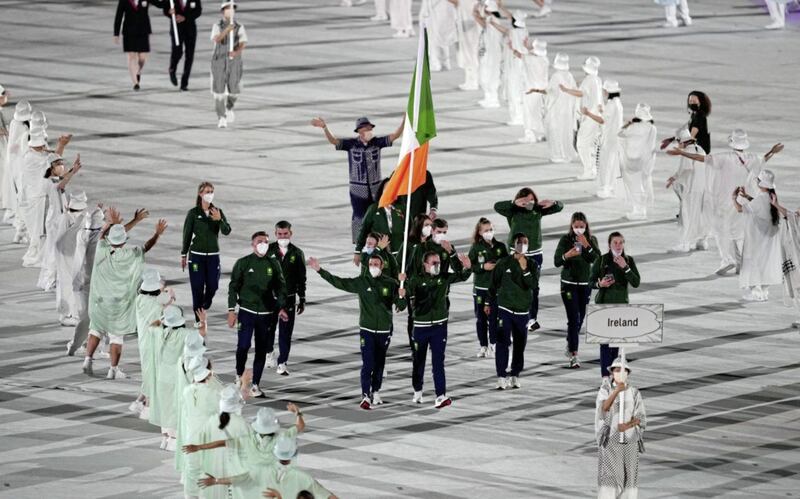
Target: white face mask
283 243
426 231
164 299
522 248
374 271
261 248
435 269
620 376
208 197
488 236
439 237
369 250
615 252
580 231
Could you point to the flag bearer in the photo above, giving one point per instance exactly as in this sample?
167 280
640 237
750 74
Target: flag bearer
514 280
293 264
186 14
226 63
430 295
377 292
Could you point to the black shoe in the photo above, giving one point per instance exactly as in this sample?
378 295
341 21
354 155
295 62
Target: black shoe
139 78
136 87
173 79
184 89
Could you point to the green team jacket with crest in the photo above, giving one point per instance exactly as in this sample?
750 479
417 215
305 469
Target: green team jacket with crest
293 265
375 221
257 285
512 286
430 294
375 298
480 253
415 266
617 292
390 265
201 232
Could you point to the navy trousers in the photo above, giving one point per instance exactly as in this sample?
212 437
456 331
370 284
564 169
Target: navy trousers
250 325
575 298
434 337
285 330
485 325
512 329
534 310
204 273
373 359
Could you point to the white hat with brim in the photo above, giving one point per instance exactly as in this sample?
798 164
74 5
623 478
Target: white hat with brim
591 65
193 344
53 157
519 18
738 140
540 48
611 86
621 363
561 62
173 317
230 400
37 140
198 366
684 135
2 89
643 112
151 280
266 423
77 201
117 235
766 179
228 4
23 111
491 6
285 448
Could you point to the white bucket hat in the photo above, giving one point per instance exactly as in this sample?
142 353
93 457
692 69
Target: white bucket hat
228 4
738 140
37 140
117 235
766 179
77 201
193 345
198 366
684 135
519 18
23 111
38 120
643 112
491 6
591 65
539 47
285 448
173 317
151 280
620 362
611 86
230 400
266 423
561 62
53 157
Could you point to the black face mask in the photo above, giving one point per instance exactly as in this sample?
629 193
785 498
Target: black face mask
694 107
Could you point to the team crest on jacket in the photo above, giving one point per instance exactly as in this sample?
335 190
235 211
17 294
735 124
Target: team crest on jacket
269 270
292 259
385 291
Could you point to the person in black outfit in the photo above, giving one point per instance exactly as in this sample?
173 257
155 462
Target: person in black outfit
134 21
699 106
186 13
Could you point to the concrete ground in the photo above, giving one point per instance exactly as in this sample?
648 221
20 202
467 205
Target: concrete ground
721 392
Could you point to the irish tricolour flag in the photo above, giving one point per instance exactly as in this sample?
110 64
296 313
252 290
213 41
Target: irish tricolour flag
419 128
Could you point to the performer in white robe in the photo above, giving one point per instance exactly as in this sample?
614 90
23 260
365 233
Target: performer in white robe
82 263
515 50
591 97
490 54
638 145
402 21
618 461
3 149
689 183
790 254
468 34
560 115
18 136
65 237
672 8
32 199
761 251
611 123
535 76
439 16
777 12
725 172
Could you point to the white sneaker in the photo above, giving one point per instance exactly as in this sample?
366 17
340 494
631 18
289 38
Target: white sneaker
379 17
69 349
514 123
702 244
417 399
670 24
442 401
238 381
222 123
502 384
256 392
482 353
171 444
487 104
401 33
514 382
115 373
68 321
687 21
680 248
164 440
749 295
87 366
490 352
230 116
587 176
271 360
376 399
468 87
145 414
136 407
366 403
775 25
282 370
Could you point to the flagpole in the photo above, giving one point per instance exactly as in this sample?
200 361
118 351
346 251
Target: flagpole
413 125
622 397
174 22
232 33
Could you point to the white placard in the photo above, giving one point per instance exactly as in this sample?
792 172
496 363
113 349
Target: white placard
621 323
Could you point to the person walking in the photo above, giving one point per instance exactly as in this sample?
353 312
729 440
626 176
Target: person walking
132 20
483 256
638 157
186 13
689 183
560 113
226 63
608 157
590 94
536 74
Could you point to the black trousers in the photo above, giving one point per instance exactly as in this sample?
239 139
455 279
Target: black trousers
187 36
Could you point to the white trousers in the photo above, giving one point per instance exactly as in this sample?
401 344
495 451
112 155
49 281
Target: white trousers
777 11
682 8
587 146
617 493
380 8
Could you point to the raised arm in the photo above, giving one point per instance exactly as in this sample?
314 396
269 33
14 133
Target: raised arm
399 132
63 141
138 216
76 166
161 226
680 152
772 152
320 123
